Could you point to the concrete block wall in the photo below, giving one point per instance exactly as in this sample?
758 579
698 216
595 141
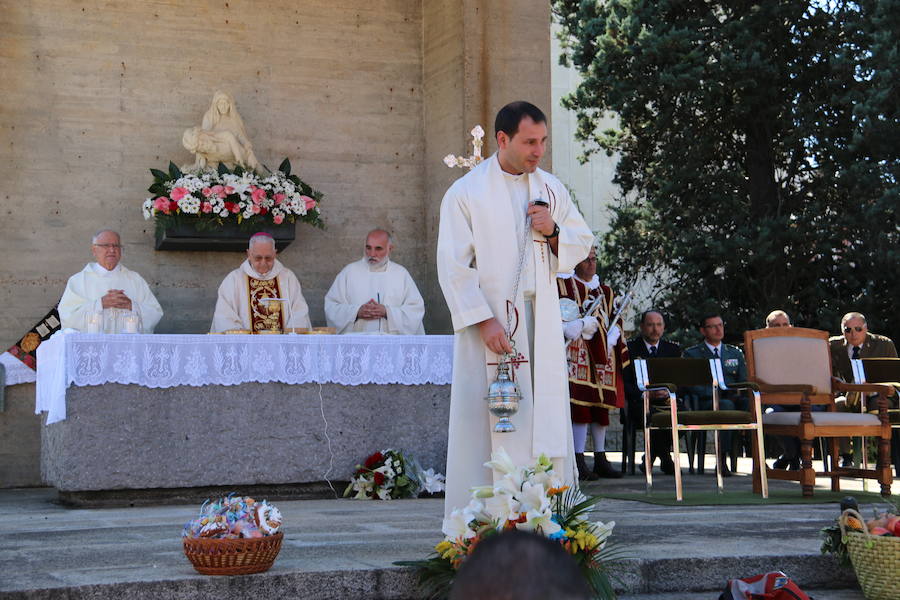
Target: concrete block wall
365 98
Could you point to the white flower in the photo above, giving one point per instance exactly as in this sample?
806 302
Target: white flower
189 205
224 213
533 498
147 208
433 482
247 213
457 525
501 462
540 519
501 508
384 494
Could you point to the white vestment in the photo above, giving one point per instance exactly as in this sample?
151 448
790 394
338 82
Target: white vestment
85 289
389 284
477 259
233 303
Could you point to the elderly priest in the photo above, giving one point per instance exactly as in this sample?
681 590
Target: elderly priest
244 295
106 284
375 295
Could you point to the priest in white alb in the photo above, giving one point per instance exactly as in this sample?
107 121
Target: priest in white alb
499 279
104 288
374 294
245 293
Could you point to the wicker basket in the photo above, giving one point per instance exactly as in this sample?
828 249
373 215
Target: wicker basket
876 560
232 557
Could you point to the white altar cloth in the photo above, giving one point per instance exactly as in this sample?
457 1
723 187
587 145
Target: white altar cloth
160 361
16 371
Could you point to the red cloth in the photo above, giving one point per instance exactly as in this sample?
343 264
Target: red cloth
595 379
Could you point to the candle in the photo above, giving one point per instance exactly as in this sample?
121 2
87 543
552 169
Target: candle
94 321
131 323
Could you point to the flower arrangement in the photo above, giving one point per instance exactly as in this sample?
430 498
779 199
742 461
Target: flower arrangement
390 475
209 199
527 498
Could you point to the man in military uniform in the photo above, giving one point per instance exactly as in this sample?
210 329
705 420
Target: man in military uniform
734 368
596 354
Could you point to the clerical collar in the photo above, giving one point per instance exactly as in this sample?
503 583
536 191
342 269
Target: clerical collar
103 271
512 176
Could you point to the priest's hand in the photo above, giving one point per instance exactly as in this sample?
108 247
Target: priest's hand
371 310
115 299
541 221
494 336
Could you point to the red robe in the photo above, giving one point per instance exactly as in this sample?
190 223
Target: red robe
595 378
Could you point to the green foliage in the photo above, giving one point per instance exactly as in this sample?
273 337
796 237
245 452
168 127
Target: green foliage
758 157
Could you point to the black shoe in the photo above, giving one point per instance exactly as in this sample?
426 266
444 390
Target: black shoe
643 467
726 472
667 464
847 461
794 465
584 474
603 468
782 463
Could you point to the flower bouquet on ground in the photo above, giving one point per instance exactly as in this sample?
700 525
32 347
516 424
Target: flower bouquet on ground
389 474
209 199
526 498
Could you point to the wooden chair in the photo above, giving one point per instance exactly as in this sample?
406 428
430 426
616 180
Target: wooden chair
669 374
887 371
792 366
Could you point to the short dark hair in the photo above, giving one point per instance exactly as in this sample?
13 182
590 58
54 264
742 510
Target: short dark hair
650 312
522 566
706 317
511 115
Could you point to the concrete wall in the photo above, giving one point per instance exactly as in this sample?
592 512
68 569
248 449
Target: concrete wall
363 97
96 93
20 439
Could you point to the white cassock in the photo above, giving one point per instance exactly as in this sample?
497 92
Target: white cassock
85 289
477 259
389 284
233 308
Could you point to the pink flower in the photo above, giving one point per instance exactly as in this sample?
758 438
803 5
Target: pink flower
206 207
228 190
220 191
310 203
206 192
258 195
279 198
255 209
161 204
179 193
278 219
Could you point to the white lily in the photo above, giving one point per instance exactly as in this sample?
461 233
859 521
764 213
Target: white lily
533 498
432 482
539 519
500 509
457 525
501 462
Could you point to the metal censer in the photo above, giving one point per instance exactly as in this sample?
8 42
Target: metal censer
503 398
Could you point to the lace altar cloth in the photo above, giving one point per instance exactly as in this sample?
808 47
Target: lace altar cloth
160 361
16 371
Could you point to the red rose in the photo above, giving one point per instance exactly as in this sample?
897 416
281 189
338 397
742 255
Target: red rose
373 460
379 478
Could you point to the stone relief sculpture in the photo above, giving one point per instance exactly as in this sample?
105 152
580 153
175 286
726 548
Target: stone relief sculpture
221 138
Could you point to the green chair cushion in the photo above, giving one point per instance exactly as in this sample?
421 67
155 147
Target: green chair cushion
702 417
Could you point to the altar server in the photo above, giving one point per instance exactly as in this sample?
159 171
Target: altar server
375 295
482 242
243 295
107 284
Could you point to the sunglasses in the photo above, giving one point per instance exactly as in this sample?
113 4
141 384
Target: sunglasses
849 329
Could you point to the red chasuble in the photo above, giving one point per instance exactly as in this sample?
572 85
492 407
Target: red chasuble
258 290
595 378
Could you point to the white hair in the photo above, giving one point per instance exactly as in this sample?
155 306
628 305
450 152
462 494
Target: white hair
777 313
390 238
102 231
259 239
853 315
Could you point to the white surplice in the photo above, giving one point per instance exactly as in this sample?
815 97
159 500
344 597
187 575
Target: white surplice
233 303
477 260
85 289
389 284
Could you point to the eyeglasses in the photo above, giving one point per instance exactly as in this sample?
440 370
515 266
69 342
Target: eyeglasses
849 329
108 246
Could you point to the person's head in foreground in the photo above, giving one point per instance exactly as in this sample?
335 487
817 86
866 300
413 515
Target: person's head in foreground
516 565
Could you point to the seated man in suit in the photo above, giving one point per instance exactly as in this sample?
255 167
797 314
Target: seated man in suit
649 344
734 368
856 342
